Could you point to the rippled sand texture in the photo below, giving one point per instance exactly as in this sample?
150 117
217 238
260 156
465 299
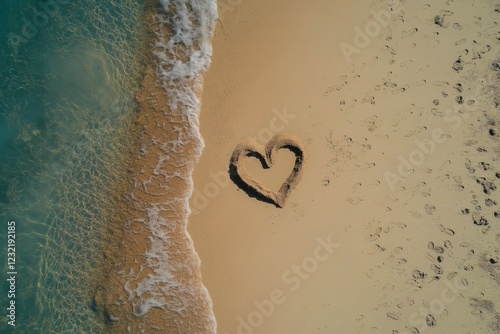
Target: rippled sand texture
154 285
66 99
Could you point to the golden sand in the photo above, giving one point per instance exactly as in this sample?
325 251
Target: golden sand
393 227
268 155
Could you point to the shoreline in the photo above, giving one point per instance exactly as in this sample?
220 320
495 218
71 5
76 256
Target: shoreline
154 283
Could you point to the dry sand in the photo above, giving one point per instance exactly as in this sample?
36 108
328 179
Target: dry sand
394 226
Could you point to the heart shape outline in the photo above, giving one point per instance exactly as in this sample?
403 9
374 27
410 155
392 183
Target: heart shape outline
266 156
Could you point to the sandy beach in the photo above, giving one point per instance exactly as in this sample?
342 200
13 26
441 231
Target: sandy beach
394 224
151 281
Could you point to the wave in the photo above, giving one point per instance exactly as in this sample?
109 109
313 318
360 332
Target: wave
155 284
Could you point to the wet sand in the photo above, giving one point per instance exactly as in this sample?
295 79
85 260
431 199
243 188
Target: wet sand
151 281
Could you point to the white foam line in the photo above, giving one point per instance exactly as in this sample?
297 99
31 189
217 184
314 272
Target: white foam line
182 59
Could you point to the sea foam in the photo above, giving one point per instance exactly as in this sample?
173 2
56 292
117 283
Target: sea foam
181 58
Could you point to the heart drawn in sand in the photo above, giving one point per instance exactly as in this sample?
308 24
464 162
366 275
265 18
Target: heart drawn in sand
266 154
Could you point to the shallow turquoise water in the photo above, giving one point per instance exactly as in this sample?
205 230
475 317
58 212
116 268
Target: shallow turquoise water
68 76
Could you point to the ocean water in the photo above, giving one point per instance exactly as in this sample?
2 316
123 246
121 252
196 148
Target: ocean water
69 74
